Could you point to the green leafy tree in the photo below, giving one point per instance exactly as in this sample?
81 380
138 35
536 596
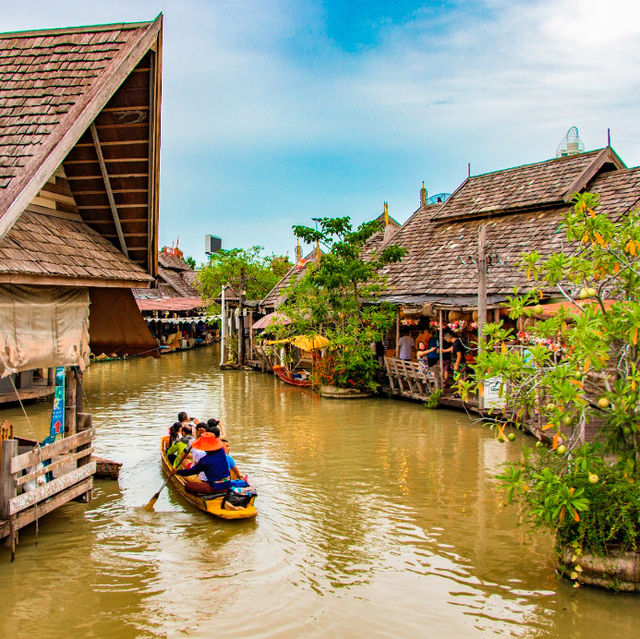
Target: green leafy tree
190 262
338 298
580 370
261 272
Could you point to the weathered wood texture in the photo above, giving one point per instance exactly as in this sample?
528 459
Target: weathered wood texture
69 458
7 487
97 75
16 504
408 379
26 460
29 515
441 250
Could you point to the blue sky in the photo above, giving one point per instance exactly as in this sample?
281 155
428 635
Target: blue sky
275 112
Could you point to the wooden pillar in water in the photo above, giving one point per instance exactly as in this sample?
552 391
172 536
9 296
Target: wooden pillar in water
84 423
70 393
398 333
8 489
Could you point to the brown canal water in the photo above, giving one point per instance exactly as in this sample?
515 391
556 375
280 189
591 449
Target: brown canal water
377 518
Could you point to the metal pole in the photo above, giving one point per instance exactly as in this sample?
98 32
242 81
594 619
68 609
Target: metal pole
223 327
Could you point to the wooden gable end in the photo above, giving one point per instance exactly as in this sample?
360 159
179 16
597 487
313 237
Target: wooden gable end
83 104
113 168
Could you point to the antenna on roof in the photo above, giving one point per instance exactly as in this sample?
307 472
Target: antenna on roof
570 143
608 137
468 169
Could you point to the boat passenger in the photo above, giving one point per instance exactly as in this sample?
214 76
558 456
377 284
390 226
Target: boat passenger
175 432
213 464
237 479
176 450
183 418
216 423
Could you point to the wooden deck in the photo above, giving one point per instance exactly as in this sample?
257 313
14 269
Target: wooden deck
29 489
33 392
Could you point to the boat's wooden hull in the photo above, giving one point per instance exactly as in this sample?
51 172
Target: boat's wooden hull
210 504
285 375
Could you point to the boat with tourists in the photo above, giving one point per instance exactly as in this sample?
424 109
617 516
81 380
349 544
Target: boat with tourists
218 504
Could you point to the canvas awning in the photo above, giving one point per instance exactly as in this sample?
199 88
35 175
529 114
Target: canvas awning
304 342
43 327
169 303
273 319
116 325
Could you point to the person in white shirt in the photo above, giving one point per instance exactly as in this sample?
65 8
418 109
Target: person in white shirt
405 344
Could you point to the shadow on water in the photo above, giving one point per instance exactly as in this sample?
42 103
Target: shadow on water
375 517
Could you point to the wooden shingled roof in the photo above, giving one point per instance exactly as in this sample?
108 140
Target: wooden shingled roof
440 262
542 184
85 100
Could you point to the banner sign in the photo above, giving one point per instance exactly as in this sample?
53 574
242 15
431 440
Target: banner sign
495 393
57 414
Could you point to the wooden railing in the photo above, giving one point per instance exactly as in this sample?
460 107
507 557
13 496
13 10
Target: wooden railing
409 379
71 471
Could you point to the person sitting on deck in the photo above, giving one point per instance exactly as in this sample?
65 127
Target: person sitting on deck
213 464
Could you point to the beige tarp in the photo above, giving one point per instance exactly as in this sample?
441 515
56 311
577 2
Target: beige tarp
117 326
42 327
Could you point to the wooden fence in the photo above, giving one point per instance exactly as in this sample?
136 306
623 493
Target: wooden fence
409 379
69 475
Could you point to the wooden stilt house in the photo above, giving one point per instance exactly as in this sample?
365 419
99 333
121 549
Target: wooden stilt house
463 254
79 166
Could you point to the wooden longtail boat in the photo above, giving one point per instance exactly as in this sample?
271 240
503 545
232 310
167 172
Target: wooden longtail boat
286 376
211 504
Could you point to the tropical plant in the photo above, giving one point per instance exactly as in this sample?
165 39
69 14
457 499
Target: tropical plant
338 297
579 372
261 272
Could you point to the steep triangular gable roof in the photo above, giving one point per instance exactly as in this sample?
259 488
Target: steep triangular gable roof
53 84
542 184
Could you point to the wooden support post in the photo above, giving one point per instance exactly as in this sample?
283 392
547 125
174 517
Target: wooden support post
51 376
7 485
482 292
440 338
223 326
241 320
251 353
398 333
84 423
107 186
70 403
482 282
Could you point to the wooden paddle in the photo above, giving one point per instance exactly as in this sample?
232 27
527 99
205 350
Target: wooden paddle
154 499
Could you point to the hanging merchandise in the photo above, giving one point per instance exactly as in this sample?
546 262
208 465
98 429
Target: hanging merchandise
57 414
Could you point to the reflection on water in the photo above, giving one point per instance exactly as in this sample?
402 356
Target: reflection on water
376 517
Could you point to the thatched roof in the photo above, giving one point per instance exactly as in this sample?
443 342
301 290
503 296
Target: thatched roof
440 263
82 103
